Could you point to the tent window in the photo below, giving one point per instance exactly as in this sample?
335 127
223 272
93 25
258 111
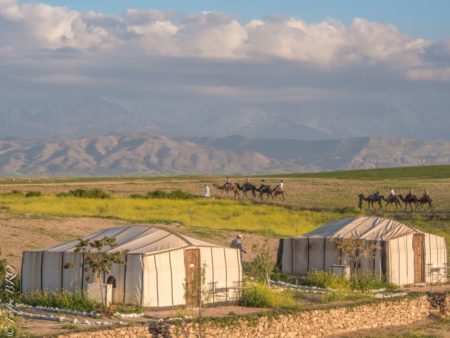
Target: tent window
111 280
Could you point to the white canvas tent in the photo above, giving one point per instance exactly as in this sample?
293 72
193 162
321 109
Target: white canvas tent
157 265
404 256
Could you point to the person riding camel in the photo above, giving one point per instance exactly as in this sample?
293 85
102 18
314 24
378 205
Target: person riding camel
263 185
409 195
280 186
376 194
392 192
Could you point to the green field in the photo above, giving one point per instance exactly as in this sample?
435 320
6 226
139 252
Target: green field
404 173
210 215
401 173
198 213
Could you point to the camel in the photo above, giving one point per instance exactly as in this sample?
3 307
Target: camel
227 187
392 200
277 191
425 199
409 199
264 190
371 200
246 187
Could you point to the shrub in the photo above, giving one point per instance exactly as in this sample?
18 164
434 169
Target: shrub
13 285
33 194
131 308
159 194
327 280
17 192
365 282
263 296
64 300
277 275
262 265
85 193
8 325
362 282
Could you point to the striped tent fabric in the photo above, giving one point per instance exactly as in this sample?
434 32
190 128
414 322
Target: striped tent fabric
156 268
404 256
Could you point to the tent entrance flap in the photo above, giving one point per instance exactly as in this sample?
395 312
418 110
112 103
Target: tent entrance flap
193 276
419 261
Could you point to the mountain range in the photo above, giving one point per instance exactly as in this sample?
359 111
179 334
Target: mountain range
70 117
147 154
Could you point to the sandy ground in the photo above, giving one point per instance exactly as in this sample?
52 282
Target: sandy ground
21 232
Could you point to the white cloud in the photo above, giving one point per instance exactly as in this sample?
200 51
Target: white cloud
324 44
379 42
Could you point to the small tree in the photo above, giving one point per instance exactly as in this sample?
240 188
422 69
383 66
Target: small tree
355 250
97 260
198 288
262 264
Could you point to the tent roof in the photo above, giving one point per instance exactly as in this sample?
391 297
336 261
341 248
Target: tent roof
370 228
137 240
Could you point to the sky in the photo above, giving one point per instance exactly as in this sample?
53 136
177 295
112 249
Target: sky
428 19
340 68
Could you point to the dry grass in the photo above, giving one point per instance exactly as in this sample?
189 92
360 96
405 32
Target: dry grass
305 193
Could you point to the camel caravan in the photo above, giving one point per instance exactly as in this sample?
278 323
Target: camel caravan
410 200
264 190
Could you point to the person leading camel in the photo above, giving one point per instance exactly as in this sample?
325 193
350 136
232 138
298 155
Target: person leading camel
207 191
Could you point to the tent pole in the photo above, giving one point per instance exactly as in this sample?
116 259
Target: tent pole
125 279
42 263
171 277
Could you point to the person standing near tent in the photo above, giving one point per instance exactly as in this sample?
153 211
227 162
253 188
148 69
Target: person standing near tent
207 191
237 244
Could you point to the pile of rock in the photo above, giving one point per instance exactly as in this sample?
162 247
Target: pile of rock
304 288
58 310
439 301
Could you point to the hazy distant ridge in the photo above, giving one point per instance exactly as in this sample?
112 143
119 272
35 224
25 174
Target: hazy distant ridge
145 154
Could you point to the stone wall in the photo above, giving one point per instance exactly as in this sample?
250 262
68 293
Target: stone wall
315 323
138 331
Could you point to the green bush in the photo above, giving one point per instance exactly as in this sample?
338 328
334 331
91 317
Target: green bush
63 300
129 308
16 192
8 328
362 282
327 280
85 193
33 194
159 194
263 296
366 282
277 275
4 284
